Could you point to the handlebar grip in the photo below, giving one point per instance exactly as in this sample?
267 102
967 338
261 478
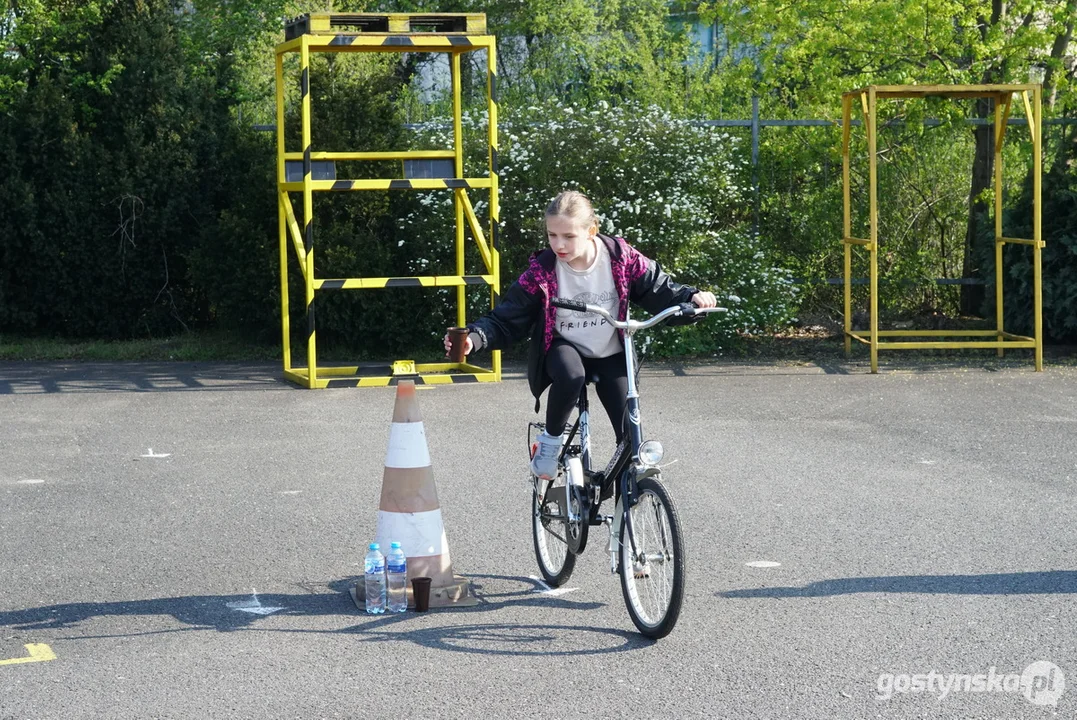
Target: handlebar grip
567 304
690 310
691 314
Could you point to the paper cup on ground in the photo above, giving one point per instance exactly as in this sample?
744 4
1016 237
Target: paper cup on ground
421 590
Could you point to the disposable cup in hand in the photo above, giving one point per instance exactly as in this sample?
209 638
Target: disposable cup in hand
457 340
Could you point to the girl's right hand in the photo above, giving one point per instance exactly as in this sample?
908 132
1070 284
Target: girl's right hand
468 345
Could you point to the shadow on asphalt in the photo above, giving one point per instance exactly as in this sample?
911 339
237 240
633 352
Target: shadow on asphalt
1050 582
507 639
77 377
231 613
39 378
888 363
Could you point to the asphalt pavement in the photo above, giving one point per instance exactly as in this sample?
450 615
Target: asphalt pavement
178 540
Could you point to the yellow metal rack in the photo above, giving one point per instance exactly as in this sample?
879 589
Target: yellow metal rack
997 338
453 34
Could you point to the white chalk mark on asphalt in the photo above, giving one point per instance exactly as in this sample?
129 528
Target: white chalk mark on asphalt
289 492
547 590
763 564
927 462
253 606
151 454
31 481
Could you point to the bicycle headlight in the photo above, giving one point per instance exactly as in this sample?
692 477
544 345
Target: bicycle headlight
651 452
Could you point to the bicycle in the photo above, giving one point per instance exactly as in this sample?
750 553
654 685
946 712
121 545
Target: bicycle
644 531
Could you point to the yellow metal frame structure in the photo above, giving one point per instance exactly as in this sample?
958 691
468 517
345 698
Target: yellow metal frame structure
453 34
997 338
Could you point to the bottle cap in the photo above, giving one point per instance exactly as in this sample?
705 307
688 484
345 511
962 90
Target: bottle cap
375 546
394 545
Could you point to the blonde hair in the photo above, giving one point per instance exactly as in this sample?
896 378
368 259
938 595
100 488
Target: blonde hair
574 205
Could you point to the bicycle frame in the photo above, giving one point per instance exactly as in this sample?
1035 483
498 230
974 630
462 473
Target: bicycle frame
625 465
651 560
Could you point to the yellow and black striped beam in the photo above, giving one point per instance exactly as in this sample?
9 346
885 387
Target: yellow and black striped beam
338 378
398 41
392 380
399 282
495 205
379 184
385 43
386 155
308 209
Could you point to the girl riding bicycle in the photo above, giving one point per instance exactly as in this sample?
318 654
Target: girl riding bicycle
566 346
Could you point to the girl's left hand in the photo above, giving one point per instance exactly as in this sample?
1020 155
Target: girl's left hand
704 299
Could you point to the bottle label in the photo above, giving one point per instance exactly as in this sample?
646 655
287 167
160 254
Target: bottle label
371 567
398 568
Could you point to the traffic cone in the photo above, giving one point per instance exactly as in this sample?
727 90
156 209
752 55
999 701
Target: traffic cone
409 512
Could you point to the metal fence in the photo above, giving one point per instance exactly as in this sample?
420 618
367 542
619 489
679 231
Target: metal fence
756 124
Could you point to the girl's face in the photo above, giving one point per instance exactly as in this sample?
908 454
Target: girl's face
569 238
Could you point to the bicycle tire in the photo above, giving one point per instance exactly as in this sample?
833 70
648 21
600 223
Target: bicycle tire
654 601
555 560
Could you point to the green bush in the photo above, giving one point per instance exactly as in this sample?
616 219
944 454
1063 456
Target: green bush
126 178
676 191
98 152
141 203
1059 257
923 211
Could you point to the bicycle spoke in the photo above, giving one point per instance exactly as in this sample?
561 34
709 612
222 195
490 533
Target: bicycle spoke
654 598
658 583
550 534
550 531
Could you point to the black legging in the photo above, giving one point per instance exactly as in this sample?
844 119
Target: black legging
568 370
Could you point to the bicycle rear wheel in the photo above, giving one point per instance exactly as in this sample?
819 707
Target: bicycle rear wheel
548 530
653 579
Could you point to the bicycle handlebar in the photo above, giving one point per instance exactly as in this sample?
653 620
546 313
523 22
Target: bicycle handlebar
685 309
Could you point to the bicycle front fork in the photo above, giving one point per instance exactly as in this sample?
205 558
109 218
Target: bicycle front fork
613 522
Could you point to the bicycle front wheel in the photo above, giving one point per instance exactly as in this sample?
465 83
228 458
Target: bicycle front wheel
652 577
548 530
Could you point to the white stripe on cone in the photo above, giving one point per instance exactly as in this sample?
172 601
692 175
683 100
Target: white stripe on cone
419 534
407 446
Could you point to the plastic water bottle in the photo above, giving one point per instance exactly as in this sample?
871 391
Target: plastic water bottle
374 569
396 570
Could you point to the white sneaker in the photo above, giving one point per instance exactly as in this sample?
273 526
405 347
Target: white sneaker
544 456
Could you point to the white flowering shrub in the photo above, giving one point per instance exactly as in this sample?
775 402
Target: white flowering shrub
677 192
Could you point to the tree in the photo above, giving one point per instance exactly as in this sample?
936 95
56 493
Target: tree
584 51
801 56
118 139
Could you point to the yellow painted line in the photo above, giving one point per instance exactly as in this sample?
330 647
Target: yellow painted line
39 652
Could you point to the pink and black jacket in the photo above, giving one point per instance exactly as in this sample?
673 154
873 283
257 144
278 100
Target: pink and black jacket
524 309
